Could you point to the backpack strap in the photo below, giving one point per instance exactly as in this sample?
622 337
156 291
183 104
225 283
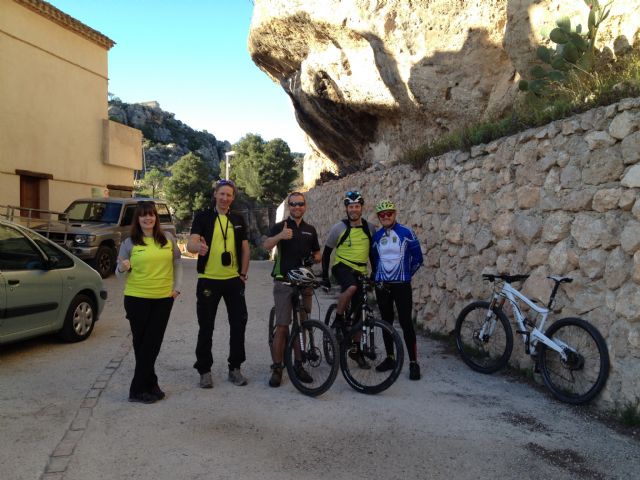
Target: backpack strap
347 232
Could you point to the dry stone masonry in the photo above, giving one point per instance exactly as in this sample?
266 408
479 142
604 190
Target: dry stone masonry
562 199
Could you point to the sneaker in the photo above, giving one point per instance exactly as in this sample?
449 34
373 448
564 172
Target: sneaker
276 375
414 371
387 364
236 377
157 391
205 380
143 398
302 374
358 357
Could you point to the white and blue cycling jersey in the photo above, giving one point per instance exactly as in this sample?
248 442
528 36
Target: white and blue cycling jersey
396 254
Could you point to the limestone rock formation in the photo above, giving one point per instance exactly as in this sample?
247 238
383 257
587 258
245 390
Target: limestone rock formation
370 78
166 139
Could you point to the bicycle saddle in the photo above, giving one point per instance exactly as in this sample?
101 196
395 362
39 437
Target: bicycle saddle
507 278
559 279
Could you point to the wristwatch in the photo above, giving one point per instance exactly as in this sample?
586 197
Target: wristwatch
243 275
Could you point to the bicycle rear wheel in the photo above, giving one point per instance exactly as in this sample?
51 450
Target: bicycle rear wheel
371 380
483 337
317 344
583 375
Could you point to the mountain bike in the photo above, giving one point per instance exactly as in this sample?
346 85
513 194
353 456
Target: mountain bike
310 343
571 355
363 338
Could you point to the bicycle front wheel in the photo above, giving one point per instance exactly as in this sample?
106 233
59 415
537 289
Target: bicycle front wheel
583 374
361 362
272 326
309 358
483 337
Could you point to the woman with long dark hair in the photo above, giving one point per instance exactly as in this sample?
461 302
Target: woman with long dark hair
150 258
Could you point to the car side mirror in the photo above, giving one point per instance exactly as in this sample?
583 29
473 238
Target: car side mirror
62 217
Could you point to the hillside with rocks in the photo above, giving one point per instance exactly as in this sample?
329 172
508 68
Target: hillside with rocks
166 139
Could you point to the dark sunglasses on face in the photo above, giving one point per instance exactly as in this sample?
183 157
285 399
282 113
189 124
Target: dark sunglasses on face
387 214
296 204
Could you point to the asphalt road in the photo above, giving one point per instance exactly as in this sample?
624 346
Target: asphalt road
64 415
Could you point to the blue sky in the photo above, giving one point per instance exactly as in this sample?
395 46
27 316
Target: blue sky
191 56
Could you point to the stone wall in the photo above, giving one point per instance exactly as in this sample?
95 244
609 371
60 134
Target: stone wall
560 199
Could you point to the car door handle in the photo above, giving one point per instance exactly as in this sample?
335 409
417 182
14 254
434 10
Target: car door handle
13 282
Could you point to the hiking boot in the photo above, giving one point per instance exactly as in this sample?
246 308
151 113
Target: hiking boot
387 364
143 398
236 377
358 357
302 374
157 391
276 375
205 380
414 371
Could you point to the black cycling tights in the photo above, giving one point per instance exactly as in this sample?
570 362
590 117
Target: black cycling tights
401 294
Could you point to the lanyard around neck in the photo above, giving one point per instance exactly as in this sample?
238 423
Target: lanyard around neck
223 232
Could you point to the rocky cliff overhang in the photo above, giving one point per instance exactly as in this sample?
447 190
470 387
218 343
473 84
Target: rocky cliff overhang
372 78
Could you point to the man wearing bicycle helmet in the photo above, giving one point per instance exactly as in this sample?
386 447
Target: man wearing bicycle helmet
297 241
396 256
351 240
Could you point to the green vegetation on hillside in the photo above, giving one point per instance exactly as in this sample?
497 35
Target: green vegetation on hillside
581 78
263 170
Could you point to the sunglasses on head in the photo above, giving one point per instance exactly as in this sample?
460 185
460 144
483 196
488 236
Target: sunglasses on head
296 204
221 183
386 214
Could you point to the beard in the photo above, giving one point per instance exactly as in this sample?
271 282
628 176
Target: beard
354 216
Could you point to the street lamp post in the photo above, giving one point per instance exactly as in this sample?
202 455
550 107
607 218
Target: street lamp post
227 159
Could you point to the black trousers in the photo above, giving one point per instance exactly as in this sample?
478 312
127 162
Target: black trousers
402 295
148 318
208 294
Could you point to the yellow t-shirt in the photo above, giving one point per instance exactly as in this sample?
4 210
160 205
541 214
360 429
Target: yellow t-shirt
214 268
151 270
354 249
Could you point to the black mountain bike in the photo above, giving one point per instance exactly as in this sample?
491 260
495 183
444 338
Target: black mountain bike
365 342
310 344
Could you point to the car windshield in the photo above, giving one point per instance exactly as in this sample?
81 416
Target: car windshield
102 212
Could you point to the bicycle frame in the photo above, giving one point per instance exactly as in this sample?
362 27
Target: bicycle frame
534 335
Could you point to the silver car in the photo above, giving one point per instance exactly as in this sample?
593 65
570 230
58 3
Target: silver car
44 288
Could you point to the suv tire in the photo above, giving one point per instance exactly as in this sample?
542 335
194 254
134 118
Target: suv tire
105 261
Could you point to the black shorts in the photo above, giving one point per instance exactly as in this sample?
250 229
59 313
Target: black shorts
345 275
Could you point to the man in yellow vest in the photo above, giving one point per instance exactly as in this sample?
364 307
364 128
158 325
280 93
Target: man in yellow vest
219 237
351 239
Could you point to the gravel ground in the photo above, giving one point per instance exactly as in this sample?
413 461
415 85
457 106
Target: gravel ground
64 414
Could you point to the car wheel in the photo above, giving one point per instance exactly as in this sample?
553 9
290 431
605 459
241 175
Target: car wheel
105 261
78 323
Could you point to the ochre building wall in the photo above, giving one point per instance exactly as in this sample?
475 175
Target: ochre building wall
53 111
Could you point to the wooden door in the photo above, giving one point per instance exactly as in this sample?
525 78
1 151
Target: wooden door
29 195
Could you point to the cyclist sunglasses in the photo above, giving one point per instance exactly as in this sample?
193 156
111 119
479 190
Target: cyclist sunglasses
296 204
386 214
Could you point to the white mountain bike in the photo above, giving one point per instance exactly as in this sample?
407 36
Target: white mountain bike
571 354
